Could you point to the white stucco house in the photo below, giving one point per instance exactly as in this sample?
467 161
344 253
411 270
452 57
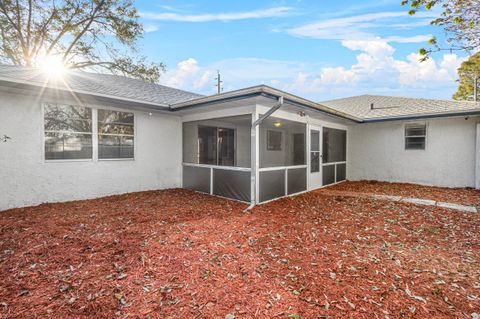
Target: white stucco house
88 135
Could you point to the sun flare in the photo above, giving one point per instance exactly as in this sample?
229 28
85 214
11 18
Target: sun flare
53 66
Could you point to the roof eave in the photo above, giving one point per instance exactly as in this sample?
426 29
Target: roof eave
9 82
421 116
265 91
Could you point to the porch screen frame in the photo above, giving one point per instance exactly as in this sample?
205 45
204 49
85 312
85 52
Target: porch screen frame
212 168
217 145
335 164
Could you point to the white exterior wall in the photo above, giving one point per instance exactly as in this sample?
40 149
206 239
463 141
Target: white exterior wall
377 152
25 179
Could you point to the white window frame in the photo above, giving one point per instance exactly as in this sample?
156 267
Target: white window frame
43 131
97 135
405 136
94 158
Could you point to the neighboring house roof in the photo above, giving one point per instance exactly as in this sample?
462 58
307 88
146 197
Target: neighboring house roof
379 108
104 85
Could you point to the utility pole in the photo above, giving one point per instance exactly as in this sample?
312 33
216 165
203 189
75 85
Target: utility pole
219 83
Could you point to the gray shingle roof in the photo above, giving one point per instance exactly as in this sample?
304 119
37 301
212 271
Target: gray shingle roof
101 84
392 107
119 87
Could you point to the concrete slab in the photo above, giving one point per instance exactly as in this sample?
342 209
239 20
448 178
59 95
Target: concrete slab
463 208
387 197
419 201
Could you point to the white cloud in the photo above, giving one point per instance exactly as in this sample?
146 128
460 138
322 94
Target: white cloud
150 28
412 39
427 73
254 14
188 75
236 73
336 75
376 71
185 71
377 48
203 80
361 27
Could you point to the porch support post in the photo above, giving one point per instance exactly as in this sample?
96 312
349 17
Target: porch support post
254 154
254 159
308 143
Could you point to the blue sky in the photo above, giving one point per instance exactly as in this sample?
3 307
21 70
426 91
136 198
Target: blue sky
317 49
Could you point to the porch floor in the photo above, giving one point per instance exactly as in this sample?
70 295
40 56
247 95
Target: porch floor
181 254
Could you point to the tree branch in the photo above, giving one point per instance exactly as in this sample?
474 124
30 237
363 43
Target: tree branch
80 35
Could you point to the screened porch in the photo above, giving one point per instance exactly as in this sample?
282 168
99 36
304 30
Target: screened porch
279 157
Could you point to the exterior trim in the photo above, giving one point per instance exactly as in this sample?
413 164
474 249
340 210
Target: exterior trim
255 91
421 116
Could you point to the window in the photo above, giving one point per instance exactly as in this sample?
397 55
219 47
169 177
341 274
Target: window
415 136
216 146
274 140
68 132
115 134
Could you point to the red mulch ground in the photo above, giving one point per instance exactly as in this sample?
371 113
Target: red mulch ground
464 196
179 254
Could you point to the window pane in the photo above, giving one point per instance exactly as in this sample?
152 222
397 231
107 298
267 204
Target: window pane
117 129
196 178
226 147
115 117
314 141
415 143
297 180
315 162
299 149
110 147
328 174
272 185
415 130
274 140
68 118
341 172
68 146
115 122
207 145
232 184
334 145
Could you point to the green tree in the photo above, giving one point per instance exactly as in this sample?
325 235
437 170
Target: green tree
82 34
459 18
469 79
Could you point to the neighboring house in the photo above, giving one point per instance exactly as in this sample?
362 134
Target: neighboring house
90 135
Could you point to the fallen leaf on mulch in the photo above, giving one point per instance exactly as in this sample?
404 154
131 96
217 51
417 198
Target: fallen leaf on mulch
180 254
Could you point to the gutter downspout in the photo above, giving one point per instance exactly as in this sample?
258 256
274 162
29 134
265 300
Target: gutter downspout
253 137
